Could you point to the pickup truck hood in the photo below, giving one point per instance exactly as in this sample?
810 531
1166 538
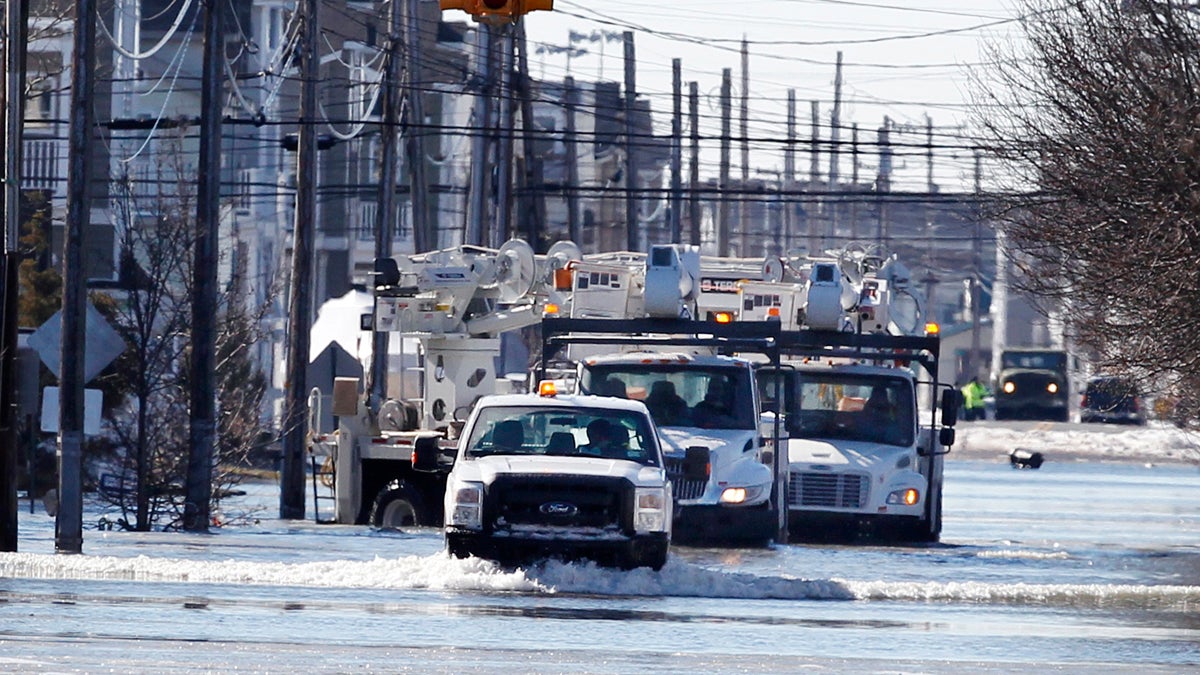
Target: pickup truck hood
485 469
844 455
725 446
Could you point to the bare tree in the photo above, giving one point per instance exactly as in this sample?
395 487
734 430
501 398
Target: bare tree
1095 119
156 221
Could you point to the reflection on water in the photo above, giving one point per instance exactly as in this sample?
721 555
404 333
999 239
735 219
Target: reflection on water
1078 567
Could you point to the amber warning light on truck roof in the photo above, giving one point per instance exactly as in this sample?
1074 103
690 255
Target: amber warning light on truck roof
547 388
932 328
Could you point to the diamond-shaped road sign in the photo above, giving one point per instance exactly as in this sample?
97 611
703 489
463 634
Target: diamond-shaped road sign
102 343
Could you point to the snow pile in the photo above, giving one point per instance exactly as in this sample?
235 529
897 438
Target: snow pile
1154 442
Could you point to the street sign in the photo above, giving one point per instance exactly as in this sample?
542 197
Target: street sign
93 403
102 343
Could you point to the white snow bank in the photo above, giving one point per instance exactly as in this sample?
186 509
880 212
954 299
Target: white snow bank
1155 442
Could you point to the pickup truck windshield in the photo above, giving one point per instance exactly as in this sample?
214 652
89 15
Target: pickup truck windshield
564 432
680 394
876 409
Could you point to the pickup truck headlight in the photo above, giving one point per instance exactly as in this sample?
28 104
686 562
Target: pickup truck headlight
650 510
467 508
740 495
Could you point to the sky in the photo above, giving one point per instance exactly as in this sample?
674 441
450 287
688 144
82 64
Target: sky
903 60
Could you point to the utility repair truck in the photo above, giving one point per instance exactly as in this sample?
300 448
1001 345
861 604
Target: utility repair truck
455 303
853 387
648 328
543 475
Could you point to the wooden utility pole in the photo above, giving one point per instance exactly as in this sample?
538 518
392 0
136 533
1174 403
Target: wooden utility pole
68 524
816 213
291 488
883 182
424 234
204 285
632 226
814 165
534 211
504 142
723 193
974 360
16 15
477 197
789 173
854 229
385 211
694 211
572 140
835 137
744 128
676 150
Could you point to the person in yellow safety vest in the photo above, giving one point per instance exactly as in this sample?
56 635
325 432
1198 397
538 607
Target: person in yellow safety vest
972 394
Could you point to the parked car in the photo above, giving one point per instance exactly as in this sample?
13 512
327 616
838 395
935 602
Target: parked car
1114 400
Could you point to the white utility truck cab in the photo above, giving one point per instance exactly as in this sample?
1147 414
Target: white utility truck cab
543 475
860 460
707 411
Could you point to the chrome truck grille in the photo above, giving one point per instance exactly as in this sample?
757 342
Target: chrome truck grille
833 490
684 489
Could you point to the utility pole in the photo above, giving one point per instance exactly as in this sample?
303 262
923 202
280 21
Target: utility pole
16 15
815 243
534 212
385 212
854 233
424 236
789 172
572 141
477 198
676 150
835 135
743 226
814 166
723 194
977 273
632 229
204 284
68 524
930 187
883 182
504 142
291 488
694 213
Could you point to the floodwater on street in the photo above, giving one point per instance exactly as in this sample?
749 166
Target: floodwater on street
1077 566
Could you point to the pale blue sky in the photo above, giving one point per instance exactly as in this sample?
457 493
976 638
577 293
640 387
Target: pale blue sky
901 59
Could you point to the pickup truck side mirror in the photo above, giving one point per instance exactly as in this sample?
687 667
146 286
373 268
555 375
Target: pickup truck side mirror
946 437
425 454
695 463
951 399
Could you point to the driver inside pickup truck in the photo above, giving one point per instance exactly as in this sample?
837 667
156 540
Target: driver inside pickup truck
508 436
604 439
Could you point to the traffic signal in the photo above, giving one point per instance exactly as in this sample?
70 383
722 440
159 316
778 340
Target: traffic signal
497 11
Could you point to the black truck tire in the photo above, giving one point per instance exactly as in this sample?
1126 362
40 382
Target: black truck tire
400 505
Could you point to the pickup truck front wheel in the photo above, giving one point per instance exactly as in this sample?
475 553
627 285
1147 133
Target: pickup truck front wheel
400 505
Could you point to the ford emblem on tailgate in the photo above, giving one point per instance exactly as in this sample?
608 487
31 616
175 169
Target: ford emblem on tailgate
559 509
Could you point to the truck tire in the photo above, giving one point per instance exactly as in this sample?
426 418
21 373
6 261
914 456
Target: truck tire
657 559
400 505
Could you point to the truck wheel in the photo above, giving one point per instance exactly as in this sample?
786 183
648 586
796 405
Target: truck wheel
458 548
930 530
399 505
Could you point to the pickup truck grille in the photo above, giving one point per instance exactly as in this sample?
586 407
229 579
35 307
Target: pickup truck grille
834 490
683 489
560 501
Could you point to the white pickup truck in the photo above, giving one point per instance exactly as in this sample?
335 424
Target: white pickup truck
542 475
